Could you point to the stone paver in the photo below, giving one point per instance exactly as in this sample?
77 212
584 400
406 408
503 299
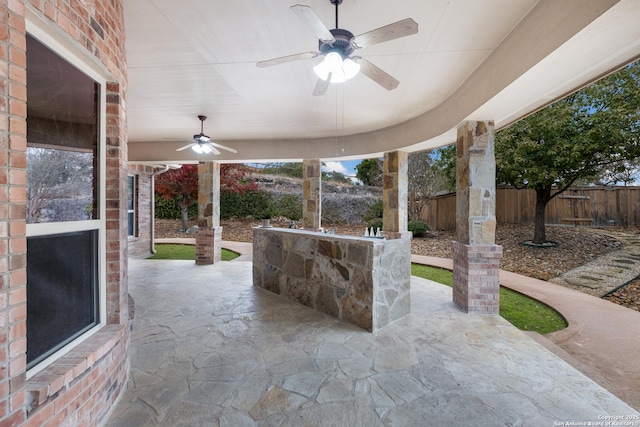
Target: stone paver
210 349
607 272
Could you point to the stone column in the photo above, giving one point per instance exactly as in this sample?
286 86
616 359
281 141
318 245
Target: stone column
476 257
394 195
209 232
312 194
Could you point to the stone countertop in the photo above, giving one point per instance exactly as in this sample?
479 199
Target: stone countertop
321 234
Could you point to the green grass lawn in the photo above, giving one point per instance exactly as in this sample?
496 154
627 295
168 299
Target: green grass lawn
521 311
185 252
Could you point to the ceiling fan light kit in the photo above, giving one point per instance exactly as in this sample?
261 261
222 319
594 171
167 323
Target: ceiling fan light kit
338 44
202 144
339 69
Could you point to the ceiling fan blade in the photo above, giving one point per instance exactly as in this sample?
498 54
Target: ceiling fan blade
403 28
376 74
186 146
322 86
309 16
285 59
213 150
215 144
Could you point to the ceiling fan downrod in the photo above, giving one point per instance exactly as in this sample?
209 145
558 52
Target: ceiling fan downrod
336 3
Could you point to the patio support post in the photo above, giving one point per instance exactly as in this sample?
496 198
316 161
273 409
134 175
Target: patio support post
312 194
476 257
394 195
209 232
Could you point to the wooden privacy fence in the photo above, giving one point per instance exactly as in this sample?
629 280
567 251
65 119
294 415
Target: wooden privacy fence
597 206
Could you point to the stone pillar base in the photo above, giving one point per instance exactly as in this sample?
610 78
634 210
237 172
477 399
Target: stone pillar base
208 245
476 277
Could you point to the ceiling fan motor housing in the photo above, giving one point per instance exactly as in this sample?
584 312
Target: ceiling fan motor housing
341 44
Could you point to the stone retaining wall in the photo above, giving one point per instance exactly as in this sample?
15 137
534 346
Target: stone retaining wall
363 281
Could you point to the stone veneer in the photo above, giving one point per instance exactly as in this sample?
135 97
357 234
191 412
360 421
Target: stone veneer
394 192
363 281
312 194
209 232
476 282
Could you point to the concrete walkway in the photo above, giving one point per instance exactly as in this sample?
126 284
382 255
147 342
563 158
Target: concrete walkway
210 349
601 339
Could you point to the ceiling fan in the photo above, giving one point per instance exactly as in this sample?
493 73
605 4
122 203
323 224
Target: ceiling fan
338 44
203 144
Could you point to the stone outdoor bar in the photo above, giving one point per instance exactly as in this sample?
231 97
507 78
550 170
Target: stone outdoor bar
363 281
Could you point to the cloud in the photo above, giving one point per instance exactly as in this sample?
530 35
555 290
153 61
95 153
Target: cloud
335 167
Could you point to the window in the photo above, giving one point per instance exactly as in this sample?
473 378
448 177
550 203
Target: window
132 197
65 229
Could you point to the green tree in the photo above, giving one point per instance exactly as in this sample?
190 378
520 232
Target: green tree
444 164
369 171
576 138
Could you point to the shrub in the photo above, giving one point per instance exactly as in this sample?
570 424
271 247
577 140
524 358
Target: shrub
290 207
256 203
375 212
170 209
418 228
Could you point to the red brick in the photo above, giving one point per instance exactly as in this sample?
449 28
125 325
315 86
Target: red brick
18 313
17 125
17 23
18 365
16 6
17 278
18 142
17 330
39 415
18 74
16 401
15 420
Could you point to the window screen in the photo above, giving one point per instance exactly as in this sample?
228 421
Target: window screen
62 292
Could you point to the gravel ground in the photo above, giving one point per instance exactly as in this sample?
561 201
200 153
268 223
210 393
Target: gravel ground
576 246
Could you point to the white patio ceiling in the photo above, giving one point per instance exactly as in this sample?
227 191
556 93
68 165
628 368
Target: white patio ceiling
471 59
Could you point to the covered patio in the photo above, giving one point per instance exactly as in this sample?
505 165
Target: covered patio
205 342
208 348
218 350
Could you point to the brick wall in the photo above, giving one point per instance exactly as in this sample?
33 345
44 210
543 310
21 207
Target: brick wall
140 245
74 390
13 141
476 278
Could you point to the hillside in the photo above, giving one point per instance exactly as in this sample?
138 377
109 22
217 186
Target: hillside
341 203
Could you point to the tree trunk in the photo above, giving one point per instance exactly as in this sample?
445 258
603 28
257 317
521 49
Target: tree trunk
543 195
184 210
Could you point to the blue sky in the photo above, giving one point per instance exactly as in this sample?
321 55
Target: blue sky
348 168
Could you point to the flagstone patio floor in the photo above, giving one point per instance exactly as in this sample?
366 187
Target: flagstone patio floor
209 349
